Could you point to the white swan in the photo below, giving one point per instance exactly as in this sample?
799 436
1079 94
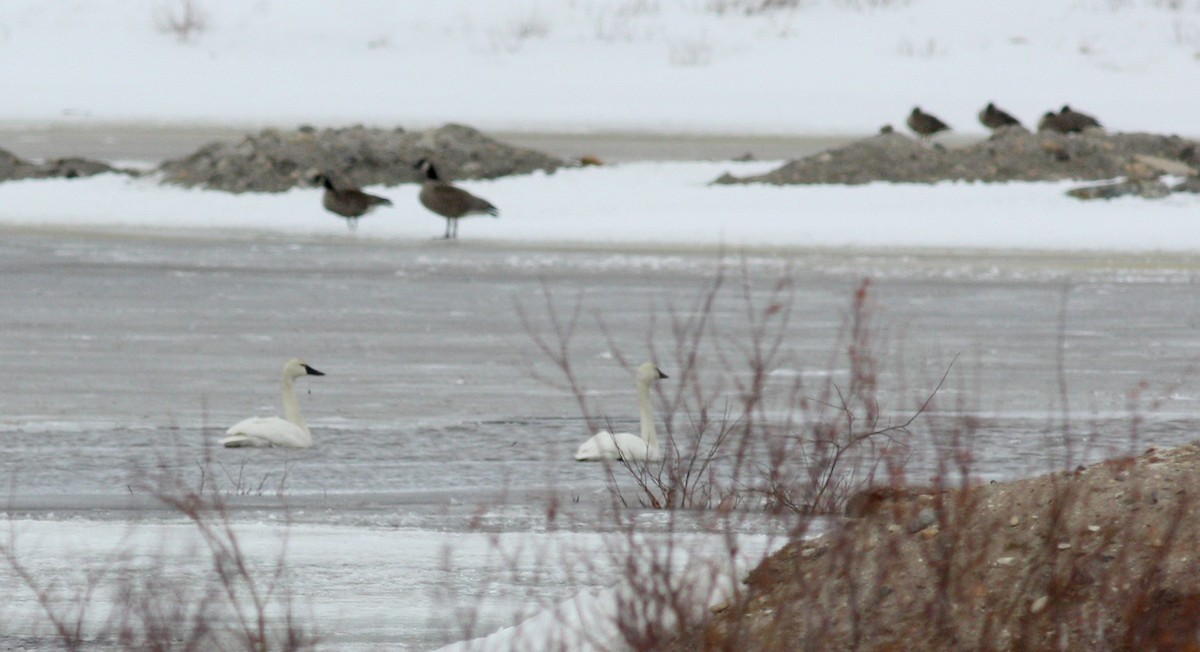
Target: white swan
289 432
627 446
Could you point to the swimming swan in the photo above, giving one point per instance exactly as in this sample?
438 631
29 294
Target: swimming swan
289 432
627 446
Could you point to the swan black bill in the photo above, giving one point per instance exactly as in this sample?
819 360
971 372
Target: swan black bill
661 374
313 372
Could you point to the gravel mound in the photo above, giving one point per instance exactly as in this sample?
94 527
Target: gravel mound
1098 558
1011 154
274 160
13 168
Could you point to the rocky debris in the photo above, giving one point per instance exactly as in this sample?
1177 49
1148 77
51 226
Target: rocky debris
1144 188
1010 154
1143 179
275 160
1190 184
13 168
1099 557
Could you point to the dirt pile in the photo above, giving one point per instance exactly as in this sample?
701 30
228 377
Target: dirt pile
1010 154
1102 557
13 168
274 160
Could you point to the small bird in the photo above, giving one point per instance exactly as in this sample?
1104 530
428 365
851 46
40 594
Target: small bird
351 203
994 118
449 201
1051 122
1075 122
925 124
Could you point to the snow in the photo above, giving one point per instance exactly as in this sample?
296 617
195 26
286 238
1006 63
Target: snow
679 66
661 66
366 587
825 66
665 204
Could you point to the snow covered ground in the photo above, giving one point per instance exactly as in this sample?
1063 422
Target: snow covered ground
679 66
668 204
663 66
823 66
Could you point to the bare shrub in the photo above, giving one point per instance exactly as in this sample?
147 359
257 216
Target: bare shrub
742 439
183 18
145 600
1095 557
753 433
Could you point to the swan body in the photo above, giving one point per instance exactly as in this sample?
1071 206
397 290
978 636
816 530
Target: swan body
627 446
288 432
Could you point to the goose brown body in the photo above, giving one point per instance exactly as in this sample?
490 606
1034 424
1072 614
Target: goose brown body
1072 121
450 201
925 124
348 202
994 118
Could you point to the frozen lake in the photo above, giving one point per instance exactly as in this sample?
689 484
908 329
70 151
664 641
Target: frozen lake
126 355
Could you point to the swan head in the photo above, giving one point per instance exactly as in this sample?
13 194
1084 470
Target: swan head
296 368
649 373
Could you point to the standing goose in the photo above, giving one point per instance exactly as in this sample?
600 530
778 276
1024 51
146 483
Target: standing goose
449 201
351 203
994 118
626 446
925 124
288 432
1073 121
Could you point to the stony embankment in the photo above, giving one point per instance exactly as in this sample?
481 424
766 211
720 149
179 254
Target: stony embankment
1097 558
274 160
15 168
1010 154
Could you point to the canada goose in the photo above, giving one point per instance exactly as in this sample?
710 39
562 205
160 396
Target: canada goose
994 118
1075 122
1051 122
349 202
627 446
449 201
288 432
925 124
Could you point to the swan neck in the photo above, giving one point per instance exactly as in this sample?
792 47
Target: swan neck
291 407
648 432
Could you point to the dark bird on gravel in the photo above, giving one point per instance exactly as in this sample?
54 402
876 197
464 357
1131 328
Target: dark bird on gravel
994 118
349 202
449 201
1073 121
1051 122
925 124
